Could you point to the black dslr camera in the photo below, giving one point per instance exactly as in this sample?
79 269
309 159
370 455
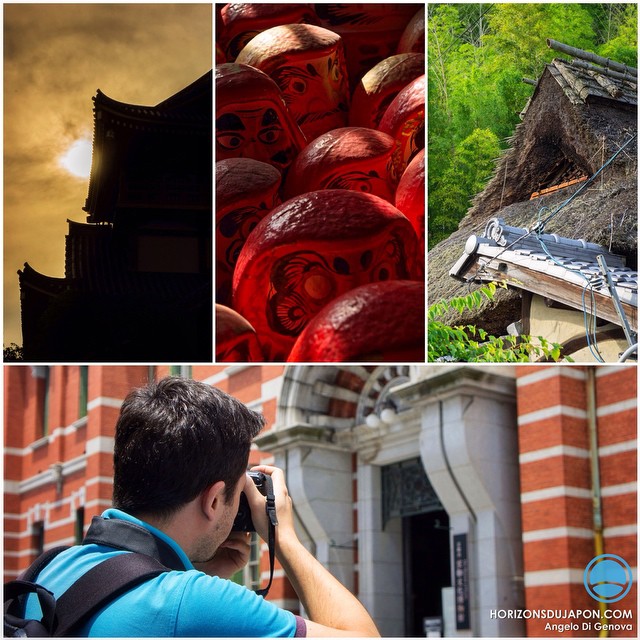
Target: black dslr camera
243 521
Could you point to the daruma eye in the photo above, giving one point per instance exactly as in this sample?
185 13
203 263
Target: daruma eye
298 86
229 140
269 136
318 287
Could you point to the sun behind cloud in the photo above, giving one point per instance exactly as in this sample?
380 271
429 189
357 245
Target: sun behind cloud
77 158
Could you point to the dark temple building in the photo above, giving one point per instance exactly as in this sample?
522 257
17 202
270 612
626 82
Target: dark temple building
138 283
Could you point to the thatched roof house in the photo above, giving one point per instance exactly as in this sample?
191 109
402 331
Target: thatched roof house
580 117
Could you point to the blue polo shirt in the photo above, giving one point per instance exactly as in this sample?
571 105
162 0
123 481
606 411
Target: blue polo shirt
176 603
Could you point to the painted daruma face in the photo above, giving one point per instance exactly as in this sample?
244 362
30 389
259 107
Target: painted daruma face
370 32
307 64
352 158
246 191
251 118
312 249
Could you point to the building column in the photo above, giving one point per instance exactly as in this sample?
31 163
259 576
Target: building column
319 479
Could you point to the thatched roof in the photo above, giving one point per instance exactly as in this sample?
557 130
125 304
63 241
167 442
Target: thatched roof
569 130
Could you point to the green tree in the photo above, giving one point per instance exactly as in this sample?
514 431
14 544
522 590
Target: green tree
623 46
471 166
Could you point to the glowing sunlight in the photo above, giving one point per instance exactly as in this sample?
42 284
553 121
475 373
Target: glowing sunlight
77 158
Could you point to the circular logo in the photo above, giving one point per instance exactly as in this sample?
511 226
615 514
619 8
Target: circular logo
607 578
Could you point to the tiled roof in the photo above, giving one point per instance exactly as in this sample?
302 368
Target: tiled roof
559 268
583 83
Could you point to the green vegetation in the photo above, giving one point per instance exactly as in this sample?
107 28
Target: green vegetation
477 57
472 344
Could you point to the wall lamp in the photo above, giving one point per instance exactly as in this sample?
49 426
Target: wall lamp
386 413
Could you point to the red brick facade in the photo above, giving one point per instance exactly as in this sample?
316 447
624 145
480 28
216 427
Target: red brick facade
557 474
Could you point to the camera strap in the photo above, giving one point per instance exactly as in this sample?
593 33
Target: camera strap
273 521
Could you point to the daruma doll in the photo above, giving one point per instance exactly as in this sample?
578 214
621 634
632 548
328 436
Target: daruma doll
307 63
410 195
378 322
413 37
236 339
242 21
310 250
353 158
404 121
381 85
370 32
246 190
252 120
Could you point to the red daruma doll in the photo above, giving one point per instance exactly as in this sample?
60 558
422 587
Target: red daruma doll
410 195
381 85
310 250
404 120
307 63
236 339
242 21
246 190
252 120
377 322
351 158
370 32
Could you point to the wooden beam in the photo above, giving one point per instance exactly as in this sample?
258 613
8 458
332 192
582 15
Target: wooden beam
551 287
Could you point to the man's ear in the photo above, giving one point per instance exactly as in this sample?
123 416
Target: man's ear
212 499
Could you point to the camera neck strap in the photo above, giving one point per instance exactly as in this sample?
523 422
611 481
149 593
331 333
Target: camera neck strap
273 521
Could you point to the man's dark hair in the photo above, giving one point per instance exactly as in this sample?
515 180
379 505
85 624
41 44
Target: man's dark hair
174 438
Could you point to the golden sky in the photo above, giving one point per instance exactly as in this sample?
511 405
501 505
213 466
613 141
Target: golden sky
55 58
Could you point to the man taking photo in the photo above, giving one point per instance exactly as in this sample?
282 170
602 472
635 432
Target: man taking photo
180 457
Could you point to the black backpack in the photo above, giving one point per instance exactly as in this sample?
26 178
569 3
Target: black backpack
63 616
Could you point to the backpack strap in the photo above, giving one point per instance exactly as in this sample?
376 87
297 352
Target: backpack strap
14 623
32 571
100 585
14 597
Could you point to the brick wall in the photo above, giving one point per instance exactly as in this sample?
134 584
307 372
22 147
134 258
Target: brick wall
556 482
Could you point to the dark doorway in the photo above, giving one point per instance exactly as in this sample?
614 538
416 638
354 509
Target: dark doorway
427 570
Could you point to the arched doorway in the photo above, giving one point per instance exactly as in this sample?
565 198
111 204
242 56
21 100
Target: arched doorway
407 494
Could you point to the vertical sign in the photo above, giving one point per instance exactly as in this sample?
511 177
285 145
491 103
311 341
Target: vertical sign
461 581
